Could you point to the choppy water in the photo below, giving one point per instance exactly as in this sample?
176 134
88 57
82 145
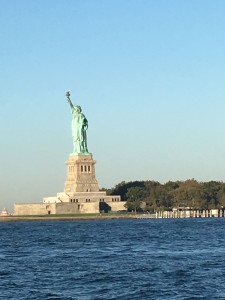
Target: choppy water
113 259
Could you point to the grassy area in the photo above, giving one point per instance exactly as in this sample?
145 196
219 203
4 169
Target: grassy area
87 215
110 215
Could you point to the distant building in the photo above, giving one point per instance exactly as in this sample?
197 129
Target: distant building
4 213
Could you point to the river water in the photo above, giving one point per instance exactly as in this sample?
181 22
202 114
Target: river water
113 259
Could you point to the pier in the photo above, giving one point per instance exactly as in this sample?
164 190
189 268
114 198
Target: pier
191 213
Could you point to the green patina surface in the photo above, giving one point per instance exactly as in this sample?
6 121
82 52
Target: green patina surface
79 128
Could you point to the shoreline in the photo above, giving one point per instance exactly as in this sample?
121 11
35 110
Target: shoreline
72 218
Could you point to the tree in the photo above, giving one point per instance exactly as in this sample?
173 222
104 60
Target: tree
212 193
187 194
157 196
134 197
122 188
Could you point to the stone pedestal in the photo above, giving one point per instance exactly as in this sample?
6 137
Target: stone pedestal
81 193
80 175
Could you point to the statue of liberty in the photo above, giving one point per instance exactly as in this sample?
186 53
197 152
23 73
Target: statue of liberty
79 128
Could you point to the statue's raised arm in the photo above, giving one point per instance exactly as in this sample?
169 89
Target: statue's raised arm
68 100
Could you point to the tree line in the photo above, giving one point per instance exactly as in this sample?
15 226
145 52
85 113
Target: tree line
153 196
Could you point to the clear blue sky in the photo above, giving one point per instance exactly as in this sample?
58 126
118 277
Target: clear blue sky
148 74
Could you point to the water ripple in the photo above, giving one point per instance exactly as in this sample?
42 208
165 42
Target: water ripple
113 259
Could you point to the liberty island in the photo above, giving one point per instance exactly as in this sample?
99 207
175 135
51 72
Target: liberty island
81 190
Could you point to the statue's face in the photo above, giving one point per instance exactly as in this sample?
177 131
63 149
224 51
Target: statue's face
77 109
